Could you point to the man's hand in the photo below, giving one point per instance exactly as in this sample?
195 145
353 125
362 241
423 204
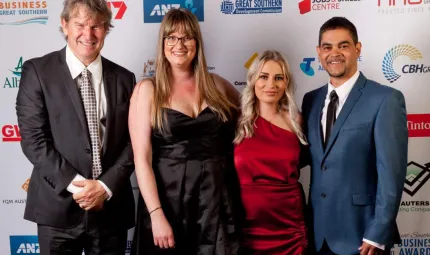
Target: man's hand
368 249
92 196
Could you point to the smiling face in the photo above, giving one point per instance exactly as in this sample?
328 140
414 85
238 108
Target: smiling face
338 55
85 34
271 84
183 52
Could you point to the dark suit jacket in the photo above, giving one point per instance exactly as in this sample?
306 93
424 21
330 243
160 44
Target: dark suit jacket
357 181
55 138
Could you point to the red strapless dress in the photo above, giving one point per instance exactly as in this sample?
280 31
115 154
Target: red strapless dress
267 167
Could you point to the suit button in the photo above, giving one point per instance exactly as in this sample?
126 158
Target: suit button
88 151
323 195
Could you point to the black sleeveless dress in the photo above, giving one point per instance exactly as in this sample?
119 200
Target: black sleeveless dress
190 166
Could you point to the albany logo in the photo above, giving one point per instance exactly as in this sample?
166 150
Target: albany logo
402 50
418 125
118 8
154 10
251 6
13 80
403 6
11 133
417 175
24 245
23 12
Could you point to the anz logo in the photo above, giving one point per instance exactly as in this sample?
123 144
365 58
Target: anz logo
154 10
24 245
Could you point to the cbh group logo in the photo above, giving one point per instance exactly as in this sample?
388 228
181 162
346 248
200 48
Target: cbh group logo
12 81
118 8
24 245
402 50
306 6
11 133
154 10
251 6
23 12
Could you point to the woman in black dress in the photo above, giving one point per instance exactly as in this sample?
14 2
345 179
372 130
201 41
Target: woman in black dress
180 131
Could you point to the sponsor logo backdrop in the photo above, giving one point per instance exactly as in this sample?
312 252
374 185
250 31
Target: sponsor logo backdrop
396 52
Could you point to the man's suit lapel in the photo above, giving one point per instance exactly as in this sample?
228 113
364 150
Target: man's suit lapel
72 89
109 81
320 105
353 97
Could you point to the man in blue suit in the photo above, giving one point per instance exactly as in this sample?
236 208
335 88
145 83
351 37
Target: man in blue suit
358 141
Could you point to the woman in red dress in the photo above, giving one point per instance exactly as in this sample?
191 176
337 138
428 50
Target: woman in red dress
266 156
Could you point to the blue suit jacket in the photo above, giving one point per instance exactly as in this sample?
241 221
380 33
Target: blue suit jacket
357 181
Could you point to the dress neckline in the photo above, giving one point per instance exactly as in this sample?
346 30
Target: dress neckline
186 115
271 124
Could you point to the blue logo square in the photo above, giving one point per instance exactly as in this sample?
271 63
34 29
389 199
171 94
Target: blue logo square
154 10
24 245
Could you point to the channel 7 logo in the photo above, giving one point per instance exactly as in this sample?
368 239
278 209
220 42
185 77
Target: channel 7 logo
417 175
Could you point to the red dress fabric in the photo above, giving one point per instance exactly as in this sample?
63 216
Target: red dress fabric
272 198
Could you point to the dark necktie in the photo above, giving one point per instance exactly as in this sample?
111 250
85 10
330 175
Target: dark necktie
331 115
90 105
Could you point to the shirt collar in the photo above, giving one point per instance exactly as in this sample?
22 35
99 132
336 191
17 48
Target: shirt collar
343 90
76 66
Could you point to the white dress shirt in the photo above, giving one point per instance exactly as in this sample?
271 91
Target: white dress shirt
342 92
96 69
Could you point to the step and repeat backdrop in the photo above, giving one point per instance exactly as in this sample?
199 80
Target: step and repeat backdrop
396 52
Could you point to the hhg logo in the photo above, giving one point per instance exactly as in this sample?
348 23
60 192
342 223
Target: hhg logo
417 175
23 12
251 6
154 10
402 50
118 8
24 245
403 6
149 68
13 80
306 6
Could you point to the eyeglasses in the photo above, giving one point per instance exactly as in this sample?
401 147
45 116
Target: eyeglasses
173 40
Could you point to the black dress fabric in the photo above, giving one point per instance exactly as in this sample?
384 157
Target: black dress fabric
190 165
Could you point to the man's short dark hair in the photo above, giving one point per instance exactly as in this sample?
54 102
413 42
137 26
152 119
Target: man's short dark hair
336 23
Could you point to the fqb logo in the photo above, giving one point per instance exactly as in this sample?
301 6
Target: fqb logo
13 81
154 10
24 245
417 175
402 50
251 6
11 133
118 8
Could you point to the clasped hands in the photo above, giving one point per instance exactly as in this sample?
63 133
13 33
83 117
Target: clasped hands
92 195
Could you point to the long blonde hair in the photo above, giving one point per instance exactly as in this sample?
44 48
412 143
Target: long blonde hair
176 20
249 106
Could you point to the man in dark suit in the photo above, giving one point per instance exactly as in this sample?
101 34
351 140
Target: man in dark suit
72 109
358 141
